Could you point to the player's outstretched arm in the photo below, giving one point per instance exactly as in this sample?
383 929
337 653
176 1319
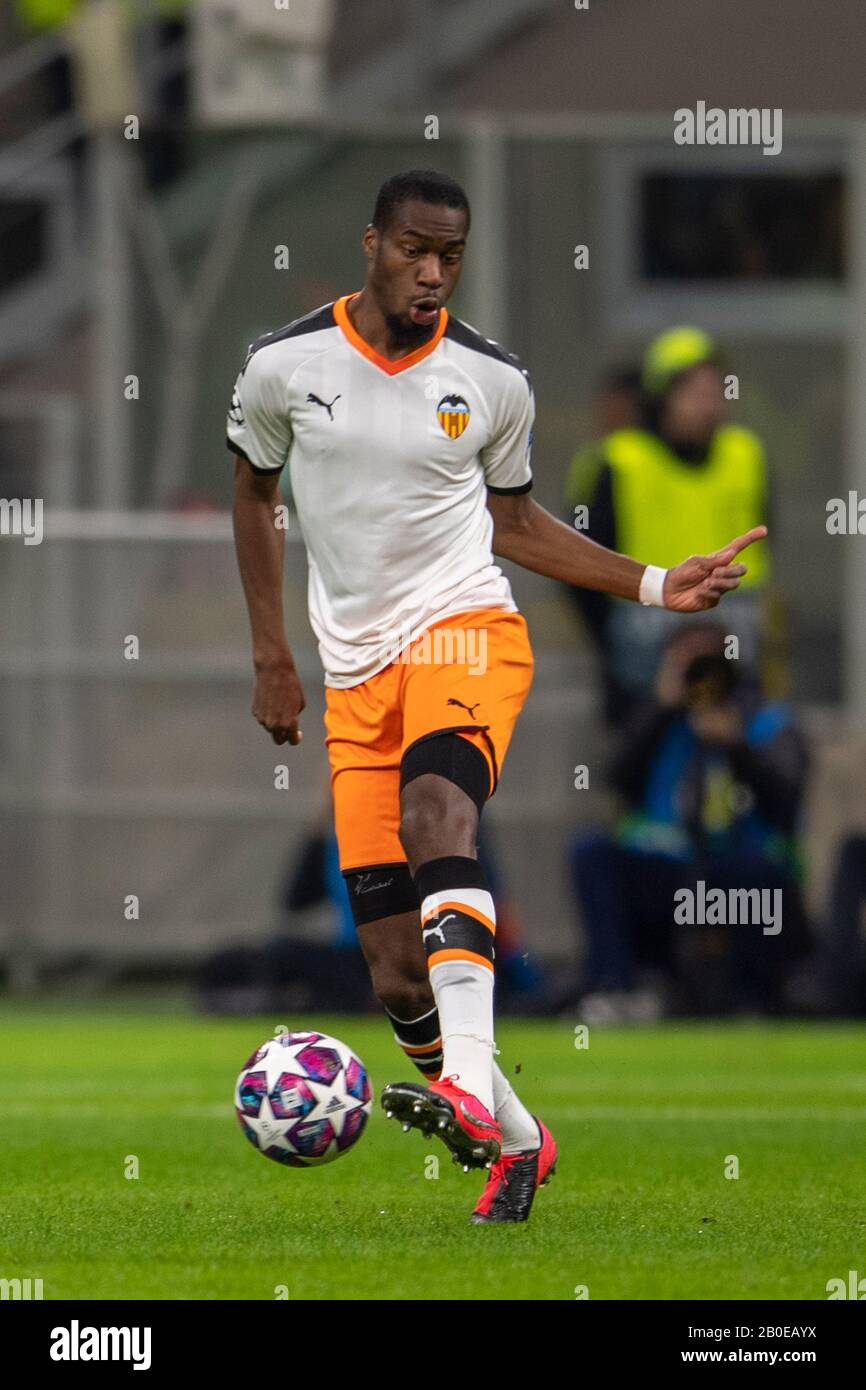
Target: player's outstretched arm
529 536
278 697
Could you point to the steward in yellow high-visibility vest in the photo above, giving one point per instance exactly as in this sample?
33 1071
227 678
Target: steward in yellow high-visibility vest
686 478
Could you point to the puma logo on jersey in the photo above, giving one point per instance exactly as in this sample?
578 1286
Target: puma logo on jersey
454 415
437 930
468 708
327 404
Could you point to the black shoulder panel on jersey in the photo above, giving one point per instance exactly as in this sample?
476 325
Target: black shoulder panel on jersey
469 337
313 322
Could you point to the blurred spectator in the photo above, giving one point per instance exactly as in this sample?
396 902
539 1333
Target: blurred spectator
157 39
44 14
712 776
55 79
615 405
838 983
679 481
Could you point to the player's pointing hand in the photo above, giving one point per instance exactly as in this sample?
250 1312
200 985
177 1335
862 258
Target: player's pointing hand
702 580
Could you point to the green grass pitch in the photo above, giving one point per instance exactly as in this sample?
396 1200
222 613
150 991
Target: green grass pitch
640 1207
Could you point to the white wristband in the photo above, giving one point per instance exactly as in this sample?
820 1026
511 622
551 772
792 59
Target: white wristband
652 586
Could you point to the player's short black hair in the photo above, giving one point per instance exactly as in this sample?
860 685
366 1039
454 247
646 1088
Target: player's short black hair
425 185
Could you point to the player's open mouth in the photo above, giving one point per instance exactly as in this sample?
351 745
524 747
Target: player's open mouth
424 310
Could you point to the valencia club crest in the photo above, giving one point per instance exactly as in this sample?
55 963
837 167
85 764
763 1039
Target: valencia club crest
454 413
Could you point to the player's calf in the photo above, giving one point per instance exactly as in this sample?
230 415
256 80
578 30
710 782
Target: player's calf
421 1040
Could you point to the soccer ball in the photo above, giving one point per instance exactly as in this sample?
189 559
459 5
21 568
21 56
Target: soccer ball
303 1099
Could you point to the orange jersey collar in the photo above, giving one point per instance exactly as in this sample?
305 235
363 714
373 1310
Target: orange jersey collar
361 345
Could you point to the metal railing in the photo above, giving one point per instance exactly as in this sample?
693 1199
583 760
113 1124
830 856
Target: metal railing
148 777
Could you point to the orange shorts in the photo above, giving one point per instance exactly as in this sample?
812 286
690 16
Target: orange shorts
468 674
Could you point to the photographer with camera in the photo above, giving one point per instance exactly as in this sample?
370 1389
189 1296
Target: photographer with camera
712 776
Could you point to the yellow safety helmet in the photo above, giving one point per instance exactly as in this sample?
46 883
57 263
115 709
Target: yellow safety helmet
50 14
45 14
672 352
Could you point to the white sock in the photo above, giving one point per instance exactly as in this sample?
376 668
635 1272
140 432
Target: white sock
463 987
519 1130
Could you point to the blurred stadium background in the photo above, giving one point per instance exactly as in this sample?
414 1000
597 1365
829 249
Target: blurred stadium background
153 258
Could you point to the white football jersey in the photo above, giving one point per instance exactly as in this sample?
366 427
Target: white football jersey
389 463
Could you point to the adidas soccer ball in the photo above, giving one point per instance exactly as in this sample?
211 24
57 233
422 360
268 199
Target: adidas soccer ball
303 1099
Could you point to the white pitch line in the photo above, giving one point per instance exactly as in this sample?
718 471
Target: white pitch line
707 1082
703 1113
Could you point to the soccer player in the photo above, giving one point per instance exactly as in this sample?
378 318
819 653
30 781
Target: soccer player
407 434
